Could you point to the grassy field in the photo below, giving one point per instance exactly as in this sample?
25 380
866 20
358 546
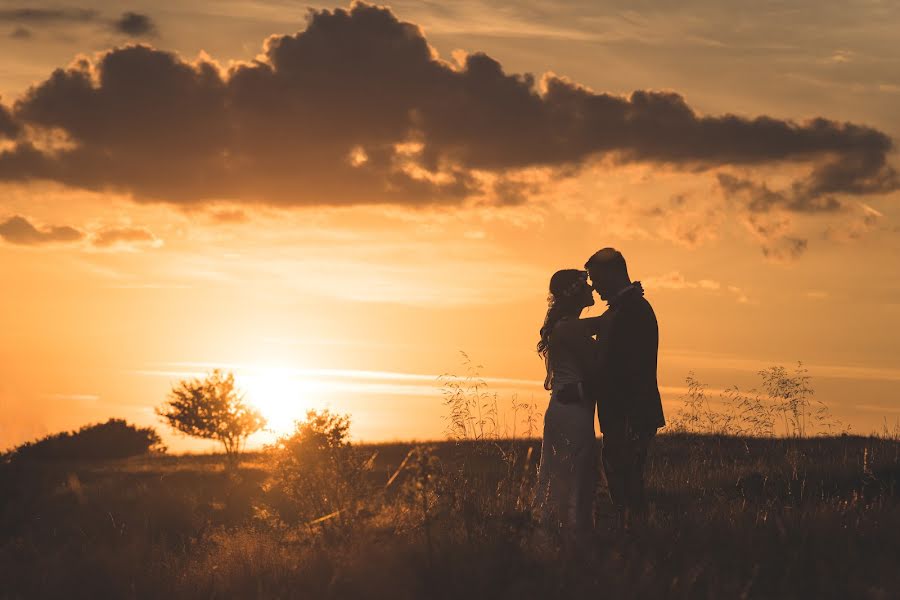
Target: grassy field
729 518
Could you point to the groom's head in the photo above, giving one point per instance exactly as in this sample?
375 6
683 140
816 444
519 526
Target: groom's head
608 272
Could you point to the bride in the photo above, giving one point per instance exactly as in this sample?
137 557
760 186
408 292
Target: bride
567 475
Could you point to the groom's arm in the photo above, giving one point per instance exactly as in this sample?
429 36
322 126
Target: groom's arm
637 360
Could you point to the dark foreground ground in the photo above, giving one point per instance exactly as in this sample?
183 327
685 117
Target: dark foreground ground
730 518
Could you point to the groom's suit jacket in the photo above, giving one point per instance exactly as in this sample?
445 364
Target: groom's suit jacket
626 385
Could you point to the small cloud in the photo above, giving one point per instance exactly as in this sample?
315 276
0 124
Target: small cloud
75 397
759 198
135 25
674 280
786 249
510 192
841 56
18 230
816 294
125 236
48 15
865 219
21 33
773 231
228 216
739 295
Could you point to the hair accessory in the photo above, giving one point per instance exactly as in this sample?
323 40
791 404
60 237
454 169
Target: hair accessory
576 287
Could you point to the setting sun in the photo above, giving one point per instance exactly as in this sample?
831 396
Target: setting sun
281 394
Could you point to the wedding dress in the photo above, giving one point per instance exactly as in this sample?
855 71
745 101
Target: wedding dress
567 475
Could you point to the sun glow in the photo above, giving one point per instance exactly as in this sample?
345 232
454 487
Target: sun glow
282 395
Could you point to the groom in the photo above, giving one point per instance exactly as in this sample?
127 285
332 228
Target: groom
628 403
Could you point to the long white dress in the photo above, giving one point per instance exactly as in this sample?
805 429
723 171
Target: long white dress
567 476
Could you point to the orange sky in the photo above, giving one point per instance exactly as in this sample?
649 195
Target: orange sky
360 304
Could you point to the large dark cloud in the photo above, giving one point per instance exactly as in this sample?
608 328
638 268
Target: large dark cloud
19 230
357 108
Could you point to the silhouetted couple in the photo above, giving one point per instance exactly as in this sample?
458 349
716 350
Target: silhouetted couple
607 362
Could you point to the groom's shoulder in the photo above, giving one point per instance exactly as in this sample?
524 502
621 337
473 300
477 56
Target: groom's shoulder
640 308
645 305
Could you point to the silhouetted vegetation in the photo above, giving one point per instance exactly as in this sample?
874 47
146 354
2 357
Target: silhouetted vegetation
729 517
212 409
318 476
786 405
113 439
315 516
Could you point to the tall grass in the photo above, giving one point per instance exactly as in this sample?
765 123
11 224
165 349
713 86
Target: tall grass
315 516
785 405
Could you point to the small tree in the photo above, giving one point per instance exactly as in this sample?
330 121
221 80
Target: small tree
212 409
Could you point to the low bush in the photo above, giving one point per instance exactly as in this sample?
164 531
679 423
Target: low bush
113 439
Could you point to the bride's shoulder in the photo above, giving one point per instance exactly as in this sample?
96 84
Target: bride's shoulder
568 326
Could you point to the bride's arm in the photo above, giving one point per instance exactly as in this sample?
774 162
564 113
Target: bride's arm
596 325
576 338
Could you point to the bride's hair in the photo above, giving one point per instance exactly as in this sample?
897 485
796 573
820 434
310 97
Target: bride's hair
565 287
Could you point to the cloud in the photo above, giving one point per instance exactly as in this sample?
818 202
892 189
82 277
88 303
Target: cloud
684 220
9 128
228 216
358 108
48 15
861 219
675 280
786 249
135 25
129 23
759 198
774 233
124 236
21 33
18 230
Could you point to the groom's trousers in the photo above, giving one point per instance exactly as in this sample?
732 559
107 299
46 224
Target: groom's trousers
624 454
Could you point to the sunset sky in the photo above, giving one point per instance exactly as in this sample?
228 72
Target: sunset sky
334 201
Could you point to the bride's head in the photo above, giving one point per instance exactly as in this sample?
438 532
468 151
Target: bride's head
570 292
569 295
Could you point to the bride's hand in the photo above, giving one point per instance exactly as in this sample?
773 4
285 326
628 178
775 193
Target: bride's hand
639 288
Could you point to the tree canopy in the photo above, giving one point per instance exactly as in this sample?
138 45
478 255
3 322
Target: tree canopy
212 408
